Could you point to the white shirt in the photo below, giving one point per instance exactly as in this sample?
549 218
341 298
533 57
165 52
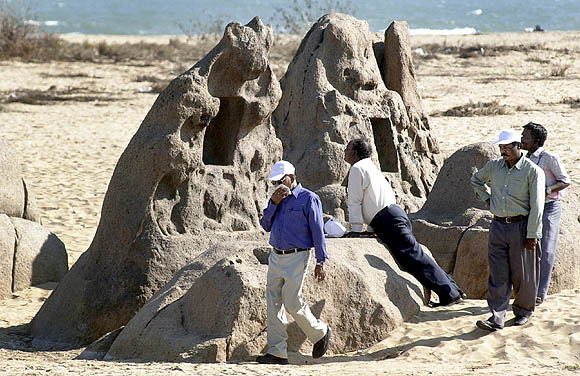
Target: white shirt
368 193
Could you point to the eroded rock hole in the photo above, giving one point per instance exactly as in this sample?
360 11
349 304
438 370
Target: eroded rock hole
385 144
221 136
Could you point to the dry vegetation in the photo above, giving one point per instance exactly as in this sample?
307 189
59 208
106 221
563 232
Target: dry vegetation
476 109
573 102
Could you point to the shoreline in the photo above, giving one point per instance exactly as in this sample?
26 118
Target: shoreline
560 38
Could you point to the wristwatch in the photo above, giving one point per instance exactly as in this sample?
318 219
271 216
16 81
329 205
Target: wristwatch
548 190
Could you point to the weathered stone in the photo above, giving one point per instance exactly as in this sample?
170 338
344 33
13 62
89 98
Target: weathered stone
333 92
216 310
40 256
443 241
399 75
195 167
7 245
566 272
31 211
453 212
471 270
11 189
98 349
452 196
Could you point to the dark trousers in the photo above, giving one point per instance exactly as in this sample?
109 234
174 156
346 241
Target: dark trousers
393 227
510 265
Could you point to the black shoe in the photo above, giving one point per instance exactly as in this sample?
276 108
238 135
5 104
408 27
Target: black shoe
488 325
270 359
321 346
520 320
458 299
539 301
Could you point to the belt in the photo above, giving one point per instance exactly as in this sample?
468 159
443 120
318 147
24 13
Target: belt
289 251
516 218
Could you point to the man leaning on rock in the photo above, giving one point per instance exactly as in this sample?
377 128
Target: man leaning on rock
513 188
371 201
294 219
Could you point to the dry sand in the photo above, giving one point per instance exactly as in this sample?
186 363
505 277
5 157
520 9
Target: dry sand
69 149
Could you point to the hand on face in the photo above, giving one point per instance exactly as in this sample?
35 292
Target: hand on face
280 194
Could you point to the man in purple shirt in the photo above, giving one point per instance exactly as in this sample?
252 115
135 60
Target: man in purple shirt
294 219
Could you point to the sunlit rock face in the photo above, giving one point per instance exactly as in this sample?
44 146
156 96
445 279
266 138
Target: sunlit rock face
192 175
333 92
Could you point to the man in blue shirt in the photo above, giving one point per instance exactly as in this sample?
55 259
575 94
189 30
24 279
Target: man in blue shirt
294 219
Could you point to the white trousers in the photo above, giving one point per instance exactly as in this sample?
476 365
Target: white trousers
284 293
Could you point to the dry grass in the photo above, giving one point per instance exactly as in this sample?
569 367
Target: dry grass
573 102
21 39
559 69
43 97
433 49
477 109
537 59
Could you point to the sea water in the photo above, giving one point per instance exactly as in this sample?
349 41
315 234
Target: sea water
151 17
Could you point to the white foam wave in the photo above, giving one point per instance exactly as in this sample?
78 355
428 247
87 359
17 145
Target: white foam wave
40 23
32 22
456 31
477 12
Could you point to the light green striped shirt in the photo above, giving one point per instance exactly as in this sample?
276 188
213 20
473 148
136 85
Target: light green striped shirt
514 191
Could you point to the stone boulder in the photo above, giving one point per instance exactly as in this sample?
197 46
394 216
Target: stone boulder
30 255
454 224
11 190
215 308
16 199
399 75
192 175
7 236
332 92
566 272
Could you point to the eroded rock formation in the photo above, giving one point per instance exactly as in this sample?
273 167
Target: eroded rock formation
215 309
194 173
333 91
454 225
29 253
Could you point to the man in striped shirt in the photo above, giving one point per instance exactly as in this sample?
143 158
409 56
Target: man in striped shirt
533 138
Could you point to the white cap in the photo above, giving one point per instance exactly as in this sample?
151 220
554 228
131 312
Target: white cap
507 136
280 169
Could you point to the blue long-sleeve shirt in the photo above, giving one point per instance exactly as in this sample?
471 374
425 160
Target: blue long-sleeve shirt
296 222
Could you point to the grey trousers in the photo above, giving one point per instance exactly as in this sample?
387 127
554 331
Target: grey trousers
510 265
284 293
550 228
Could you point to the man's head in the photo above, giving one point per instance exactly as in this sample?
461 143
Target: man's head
533 136
283 172
509 146
356 150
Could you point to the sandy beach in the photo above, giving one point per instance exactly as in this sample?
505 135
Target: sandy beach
69 147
